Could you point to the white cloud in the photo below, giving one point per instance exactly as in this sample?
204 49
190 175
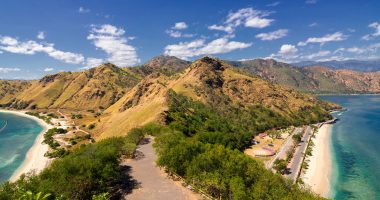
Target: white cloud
376 26
7 70
338 36
175 31
83 10
93 62
49 69
273 35
247 17
227 29
112 40
317 55
288 50
180 26
314 24
356 50
31 47
186 50
311 1
273 4
41 35
257 22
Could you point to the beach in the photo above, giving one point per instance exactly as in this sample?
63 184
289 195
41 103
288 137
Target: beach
318 175
35 159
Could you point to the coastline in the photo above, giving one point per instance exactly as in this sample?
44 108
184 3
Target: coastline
318 175
34 159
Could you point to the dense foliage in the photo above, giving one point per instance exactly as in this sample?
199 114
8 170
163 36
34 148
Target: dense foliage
202 145
90 170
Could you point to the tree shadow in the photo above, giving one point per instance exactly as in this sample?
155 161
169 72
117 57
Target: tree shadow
124 185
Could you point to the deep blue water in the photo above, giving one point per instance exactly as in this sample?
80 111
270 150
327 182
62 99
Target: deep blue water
356 147
15 140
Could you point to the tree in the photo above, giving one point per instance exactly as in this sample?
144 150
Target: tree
280 165
30 196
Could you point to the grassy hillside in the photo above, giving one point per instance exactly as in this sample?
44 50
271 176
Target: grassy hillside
315 79
90 89
211 82
167 65
11 88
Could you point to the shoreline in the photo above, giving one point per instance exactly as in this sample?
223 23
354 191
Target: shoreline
34 158
318 175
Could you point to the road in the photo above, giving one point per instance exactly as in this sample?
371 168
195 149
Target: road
285 147
296 162
153 182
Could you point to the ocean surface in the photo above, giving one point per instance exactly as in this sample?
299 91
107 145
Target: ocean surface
17 135
356 148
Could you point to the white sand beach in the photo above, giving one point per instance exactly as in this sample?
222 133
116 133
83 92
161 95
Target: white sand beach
35 159
318 175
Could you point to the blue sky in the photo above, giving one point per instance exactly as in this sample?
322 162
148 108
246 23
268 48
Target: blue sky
45 37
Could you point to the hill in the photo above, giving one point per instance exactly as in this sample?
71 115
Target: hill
315 79
355 65
168 65
90 89
212 82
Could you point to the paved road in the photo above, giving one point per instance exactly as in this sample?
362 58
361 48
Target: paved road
153 182
285 147
296 162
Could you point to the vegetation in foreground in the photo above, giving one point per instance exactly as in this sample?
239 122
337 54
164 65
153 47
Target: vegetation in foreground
89 172
200 143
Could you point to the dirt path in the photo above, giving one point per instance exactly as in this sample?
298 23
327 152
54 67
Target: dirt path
153 182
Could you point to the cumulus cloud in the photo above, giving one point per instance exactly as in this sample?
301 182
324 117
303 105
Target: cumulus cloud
5 70
288 50
180 26
247 17
83 10
273 35
338 36
175 31
186 50
113 41
93 62
41 35
31 47
49 69
376 26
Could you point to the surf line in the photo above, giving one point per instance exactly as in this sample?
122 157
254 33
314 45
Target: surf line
5 125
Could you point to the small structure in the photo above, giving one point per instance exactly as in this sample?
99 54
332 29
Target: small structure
264 152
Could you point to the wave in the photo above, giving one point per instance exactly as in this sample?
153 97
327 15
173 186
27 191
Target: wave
5 125
4 163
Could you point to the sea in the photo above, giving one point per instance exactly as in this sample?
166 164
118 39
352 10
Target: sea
355 142
17 136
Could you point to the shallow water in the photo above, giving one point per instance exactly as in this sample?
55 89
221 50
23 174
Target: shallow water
16 138
356 147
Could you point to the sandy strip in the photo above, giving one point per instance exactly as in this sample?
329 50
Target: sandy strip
35 159
318 175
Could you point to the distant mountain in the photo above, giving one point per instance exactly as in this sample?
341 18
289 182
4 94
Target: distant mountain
315 79
356 65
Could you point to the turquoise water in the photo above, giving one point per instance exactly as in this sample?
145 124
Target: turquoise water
16 138
356 148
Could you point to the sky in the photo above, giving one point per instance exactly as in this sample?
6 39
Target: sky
44 37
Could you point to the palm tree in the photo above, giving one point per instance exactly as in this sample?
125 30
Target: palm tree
30 196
